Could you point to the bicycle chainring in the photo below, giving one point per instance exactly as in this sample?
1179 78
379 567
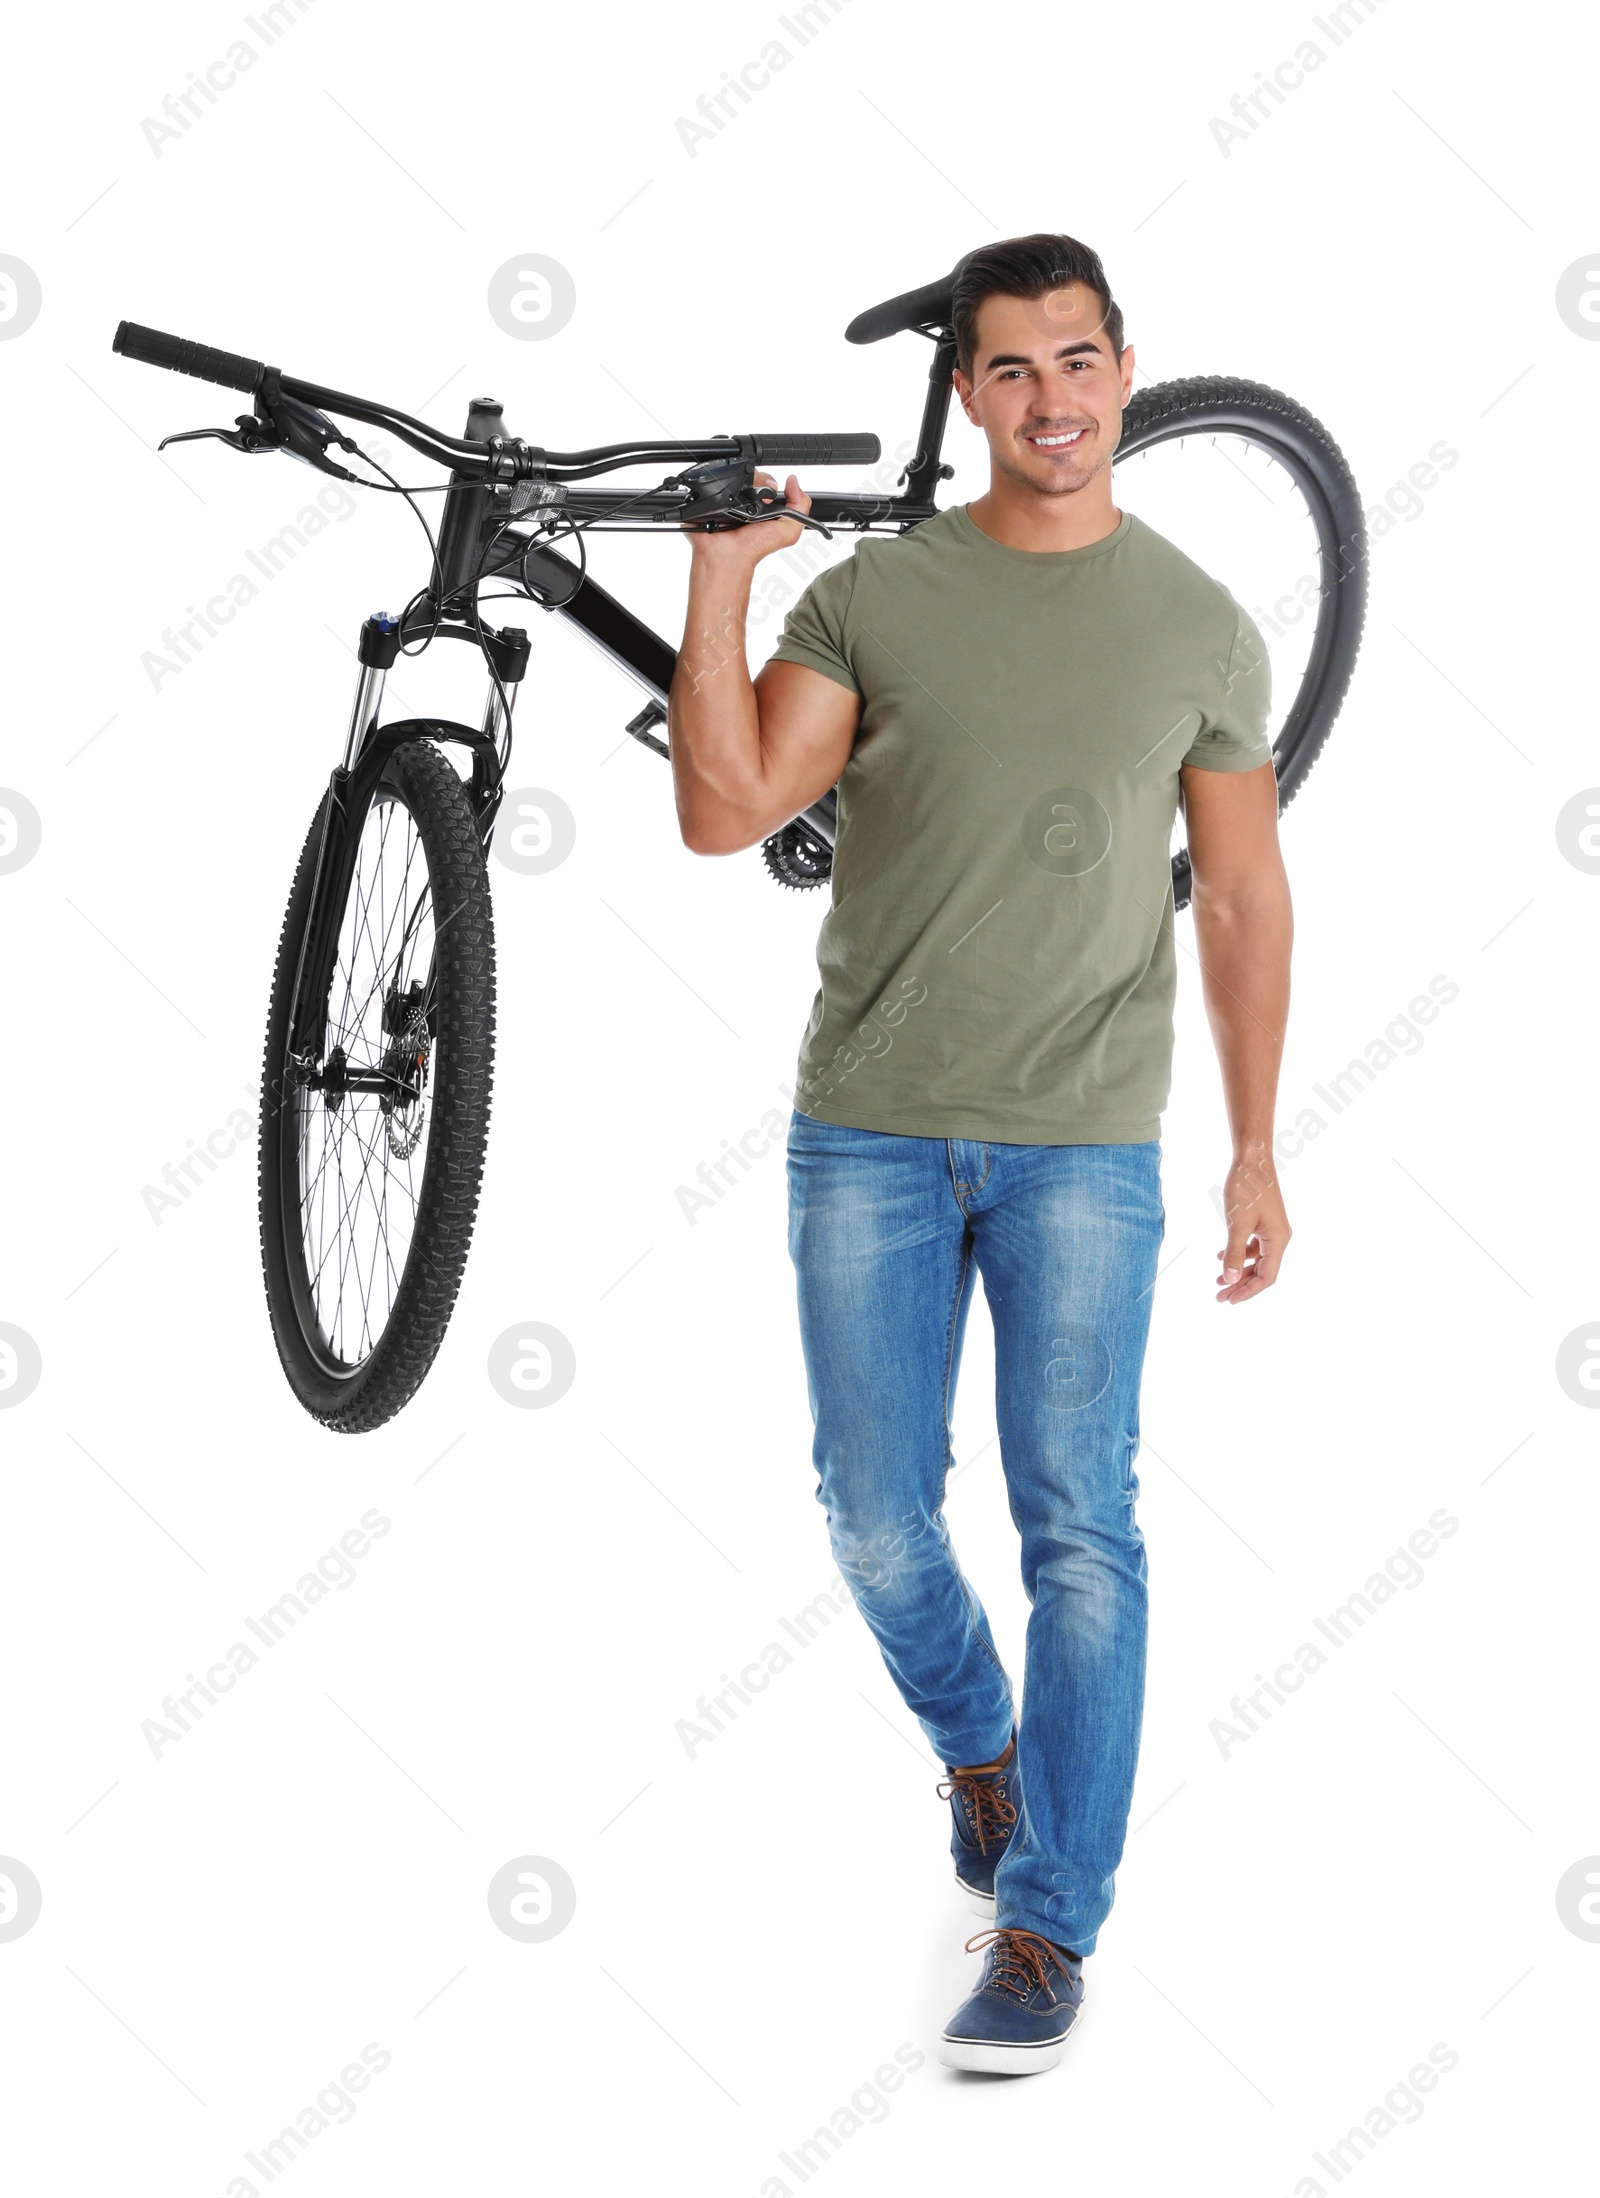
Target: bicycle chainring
797 856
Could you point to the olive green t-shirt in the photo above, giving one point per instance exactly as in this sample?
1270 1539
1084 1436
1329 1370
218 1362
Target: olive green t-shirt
998 960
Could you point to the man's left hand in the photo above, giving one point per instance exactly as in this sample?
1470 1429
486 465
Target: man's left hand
1258 1228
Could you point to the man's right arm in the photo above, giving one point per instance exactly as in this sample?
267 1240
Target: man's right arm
747 755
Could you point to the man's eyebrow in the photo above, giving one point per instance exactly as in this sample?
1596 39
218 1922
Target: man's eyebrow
1015 358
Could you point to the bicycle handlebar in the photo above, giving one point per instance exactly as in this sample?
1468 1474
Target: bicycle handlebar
810 450
180 356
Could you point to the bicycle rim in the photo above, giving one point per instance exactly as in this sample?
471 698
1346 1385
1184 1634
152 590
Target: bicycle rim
1253 488
361 1153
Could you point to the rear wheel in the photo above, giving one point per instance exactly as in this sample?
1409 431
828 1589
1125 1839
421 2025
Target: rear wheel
1254 488
371 1158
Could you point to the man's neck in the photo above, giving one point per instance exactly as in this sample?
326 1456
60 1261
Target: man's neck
1024 520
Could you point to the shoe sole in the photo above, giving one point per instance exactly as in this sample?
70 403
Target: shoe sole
983 2057
982 1902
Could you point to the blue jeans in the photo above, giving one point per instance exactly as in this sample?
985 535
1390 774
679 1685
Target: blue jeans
886 1233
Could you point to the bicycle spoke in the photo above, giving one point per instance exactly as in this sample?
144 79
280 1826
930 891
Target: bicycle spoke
360 1167
1228 501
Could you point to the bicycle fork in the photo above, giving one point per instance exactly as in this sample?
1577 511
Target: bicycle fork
378 647
354 782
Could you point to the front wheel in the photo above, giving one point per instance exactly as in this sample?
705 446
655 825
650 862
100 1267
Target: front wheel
371 1157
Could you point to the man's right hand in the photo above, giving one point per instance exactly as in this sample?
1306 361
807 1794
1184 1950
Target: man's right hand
743 547
745 759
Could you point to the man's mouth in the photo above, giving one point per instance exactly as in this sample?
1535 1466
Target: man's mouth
1055 438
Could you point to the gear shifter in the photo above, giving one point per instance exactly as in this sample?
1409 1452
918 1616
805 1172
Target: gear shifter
290 425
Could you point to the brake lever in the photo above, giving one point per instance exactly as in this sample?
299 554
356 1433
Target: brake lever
722 495
732 516
247 434
290 425
773 506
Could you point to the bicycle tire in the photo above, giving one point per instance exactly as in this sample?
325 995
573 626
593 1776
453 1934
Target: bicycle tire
1300 442
353 1397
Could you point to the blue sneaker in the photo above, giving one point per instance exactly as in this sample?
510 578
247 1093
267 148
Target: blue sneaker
1019 2019
985 1803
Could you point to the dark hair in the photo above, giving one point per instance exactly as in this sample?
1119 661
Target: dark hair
1028 267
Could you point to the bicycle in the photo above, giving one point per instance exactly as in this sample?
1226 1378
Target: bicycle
378 1062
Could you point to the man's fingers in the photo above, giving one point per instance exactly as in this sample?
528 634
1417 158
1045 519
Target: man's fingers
1233 1258
793 493
1238 1278
1250 1266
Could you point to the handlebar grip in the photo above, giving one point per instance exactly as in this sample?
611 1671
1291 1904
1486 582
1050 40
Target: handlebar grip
182 357
811 450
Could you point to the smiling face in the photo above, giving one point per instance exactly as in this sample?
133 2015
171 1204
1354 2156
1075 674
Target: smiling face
1046 388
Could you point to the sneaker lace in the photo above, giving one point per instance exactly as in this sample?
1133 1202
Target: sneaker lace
1019 1961
983 1802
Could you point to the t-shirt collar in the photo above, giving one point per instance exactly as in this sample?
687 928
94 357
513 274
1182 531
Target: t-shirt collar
973 535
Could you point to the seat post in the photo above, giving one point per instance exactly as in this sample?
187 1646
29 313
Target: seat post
925 472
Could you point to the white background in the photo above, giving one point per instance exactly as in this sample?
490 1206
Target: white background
760 1927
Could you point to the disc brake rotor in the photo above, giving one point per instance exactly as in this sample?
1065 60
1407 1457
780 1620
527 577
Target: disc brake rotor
405 1111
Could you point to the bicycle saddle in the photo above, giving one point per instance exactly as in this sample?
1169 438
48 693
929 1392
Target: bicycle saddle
929 307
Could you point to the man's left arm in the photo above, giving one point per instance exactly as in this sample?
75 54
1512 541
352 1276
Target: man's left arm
1244 930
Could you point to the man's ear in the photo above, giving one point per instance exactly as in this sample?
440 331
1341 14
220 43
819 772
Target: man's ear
966 392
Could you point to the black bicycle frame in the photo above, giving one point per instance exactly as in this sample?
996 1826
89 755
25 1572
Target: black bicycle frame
478 539
476 515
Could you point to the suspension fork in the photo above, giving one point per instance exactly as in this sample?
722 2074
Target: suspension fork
508 651
378 647
352 785
489 761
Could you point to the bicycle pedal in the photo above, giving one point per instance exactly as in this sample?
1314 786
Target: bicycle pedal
639 727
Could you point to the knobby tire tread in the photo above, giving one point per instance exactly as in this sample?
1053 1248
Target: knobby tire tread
1189 399
460 1099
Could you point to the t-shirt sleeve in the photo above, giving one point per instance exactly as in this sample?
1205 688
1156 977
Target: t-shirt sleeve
815 631
1233 732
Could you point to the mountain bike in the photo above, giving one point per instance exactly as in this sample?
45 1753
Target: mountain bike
378 1062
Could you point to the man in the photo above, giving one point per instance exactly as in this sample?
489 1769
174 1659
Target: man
1013 698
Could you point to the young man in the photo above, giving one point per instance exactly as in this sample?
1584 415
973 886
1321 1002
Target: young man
1012 698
